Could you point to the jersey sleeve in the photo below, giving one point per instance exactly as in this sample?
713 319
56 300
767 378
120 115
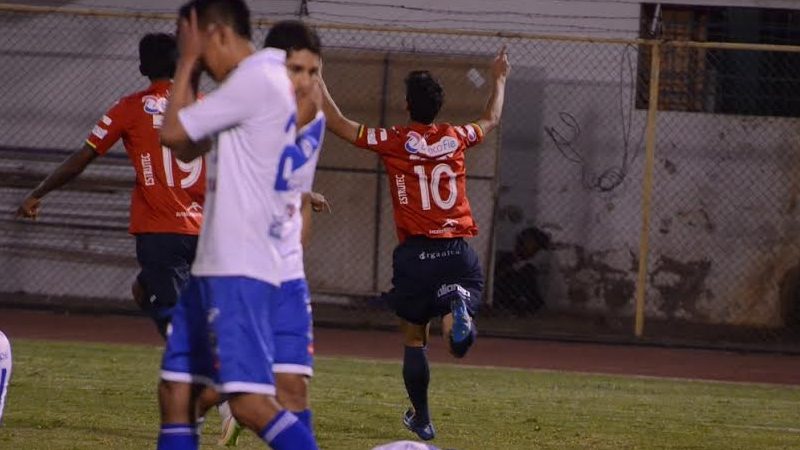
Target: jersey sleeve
108 129
225 107
380 140
470 134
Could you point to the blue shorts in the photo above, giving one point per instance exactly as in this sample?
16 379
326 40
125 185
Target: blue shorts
293 330
221 335
165 260
425 272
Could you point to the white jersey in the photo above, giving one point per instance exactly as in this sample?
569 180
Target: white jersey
251 118
298 172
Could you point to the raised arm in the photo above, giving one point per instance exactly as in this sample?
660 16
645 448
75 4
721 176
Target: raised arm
184 93
73 166
336 121
494 107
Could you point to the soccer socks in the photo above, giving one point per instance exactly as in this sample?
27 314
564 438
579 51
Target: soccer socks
417 375
304 417
181 436
286 432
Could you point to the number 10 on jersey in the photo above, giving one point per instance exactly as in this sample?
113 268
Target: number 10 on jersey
430 190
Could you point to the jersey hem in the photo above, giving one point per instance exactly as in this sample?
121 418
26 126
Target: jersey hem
207 272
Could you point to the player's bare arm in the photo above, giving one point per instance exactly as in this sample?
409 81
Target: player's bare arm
336 121
494 107
184 86
73 166
312 201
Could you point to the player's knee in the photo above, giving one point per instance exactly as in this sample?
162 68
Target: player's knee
172 391
253 411
414 335
175 400
292 391
411 341
206 399
137 290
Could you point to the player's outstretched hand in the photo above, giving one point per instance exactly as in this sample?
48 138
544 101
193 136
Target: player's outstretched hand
500 65
29 209
319 202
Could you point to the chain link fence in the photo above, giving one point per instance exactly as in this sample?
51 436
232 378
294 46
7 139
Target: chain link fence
557 190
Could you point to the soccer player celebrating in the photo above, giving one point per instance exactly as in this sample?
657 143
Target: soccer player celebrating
435 272
292 322
221 332
167 200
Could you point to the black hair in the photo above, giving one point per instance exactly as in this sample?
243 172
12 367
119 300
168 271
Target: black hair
229 12
157 55
424 96
293 35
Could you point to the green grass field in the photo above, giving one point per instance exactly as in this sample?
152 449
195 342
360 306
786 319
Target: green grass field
87 396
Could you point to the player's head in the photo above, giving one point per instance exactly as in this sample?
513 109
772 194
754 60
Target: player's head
303 51
225 30
424 96
157 55
531 240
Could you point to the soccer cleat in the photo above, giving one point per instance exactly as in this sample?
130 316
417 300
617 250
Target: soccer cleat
230 427
462 322
426 432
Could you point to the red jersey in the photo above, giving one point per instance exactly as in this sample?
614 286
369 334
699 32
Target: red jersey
427 176
168 194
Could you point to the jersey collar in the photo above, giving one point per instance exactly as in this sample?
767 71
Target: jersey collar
270 54
160 85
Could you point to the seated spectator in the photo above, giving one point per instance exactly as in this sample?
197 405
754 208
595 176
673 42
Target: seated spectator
516 288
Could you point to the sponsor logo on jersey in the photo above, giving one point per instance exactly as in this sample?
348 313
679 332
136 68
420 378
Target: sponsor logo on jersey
371 140
448 288
449 226
193 210
416 143
99 132
106 120
384 135
154 104
450 223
